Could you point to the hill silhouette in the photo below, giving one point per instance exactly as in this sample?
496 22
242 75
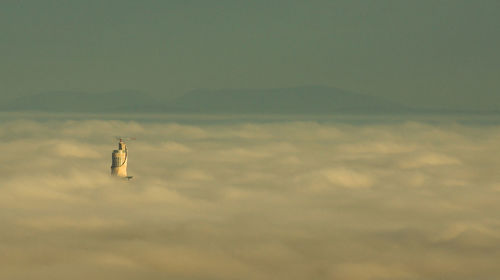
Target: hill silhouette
296 100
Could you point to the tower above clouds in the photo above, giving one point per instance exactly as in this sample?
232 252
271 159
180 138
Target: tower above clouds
119 160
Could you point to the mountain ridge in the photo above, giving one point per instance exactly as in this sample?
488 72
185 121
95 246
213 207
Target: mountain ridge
299 100
309 100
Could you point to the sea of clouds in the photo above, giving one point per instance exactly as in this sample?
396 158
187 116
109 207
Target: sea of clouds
250 200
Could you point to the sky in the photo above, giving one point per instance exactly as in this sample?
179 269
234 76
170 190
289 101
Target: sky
252 197
432 53
272 200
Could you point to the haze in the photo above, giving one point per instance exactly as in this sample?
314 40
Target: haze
440 54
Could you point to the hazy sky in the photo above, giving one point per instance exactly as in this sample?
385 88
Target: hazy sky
426 52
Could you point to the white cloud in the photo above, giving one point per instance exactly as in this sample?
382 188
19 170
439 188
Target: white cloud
174 147
347 178
428 159
79 150
277 200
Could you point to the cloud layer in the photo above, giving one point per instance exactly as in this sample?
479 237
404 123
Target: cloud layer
279 200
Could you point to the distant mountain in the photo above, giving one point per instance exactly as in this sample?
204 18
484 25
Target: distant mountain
297 100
